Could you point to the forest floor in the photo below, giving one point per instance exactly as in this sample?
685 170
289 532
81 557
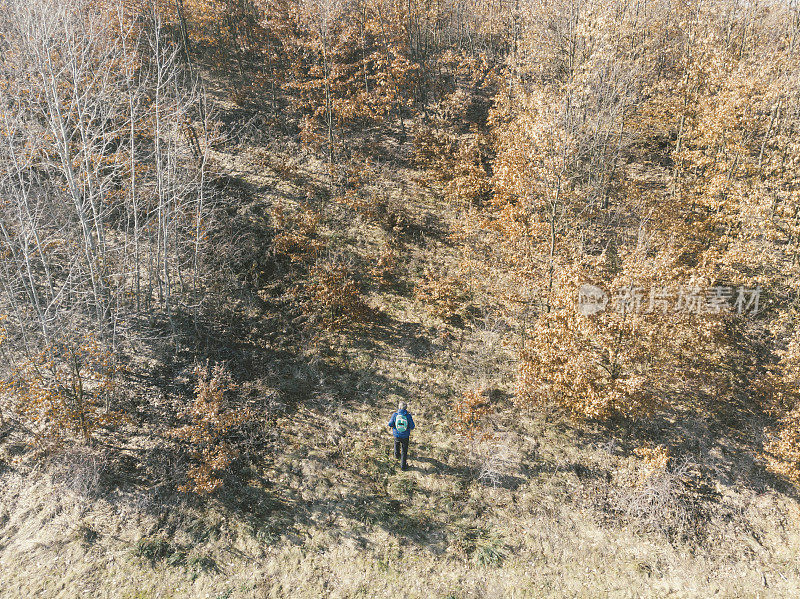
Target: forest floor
544 507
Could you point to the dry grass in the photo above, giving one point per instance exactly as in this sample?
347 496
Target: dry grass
542 508
431 532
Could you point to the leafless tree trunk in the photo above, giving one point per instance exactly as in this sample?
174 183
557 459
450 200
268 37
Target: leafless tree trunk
102 189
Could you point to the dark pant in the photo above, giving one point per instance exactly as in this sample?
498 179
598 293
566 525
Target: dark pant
401 451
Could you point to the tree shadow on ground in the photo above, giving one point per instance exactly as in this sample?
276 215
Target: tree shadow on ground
726 444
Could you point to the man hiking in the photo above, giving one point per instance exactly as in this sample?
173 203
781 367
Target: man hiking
401 424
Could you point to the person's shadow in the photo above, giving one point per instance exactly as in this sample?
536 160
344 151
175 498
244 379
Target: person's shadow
434 466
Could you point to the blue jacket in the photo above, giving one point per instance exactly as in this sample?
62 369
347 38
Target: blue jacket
407 433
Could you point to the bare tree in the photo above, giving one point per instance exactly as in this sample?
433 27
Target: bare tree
102 177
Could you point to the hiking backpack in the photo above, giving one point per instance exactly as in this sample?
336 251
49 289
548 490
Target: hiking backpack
400 423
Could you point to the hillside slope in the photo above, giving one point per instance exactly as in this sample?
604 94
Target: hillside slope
542 507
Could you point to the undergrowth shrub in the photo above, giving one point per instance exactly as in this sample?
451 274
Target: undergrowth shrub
783 449
661 500
80 470
212 421
654 461
433 148
782 391
661 494
396 223
86 535
589 367
376 206
490 457
285 165
444 296
63 390
297 236
470 184
332 295
470 412
492 460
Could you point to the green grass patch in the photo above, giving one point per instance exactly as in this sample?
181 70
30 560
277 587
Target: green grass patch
157 549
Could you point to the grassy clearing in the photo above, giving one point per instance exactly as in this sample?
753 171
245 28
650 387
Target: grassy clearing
429 532
325 512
